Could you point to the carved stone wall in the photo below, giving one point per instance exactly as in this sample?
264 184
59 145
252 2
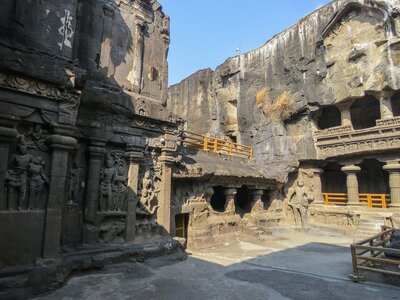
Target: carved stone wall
82 120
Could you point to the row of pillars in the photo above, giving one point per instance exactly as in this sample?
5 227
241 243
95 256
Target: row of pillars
392 167
256 205
385 108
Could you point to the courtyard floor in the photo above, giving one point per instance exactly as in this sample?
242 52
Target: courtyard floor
286 265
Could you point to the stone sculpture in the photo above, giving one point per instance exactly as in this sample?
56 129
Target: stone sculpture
37 180
76 184
113 184
149 194
299 198
120 190
17 177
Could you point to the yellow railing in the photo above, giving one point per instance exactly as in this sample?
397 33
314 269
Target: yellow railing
375 200
371 200
216 145
335 198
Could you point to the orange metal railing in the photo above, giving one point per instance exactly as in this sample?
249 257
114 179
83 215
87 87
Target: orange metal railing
335 198
216 145
375 200
371 200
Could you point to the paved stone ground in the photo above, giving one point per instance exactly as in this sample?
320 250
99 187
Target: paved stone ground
286 265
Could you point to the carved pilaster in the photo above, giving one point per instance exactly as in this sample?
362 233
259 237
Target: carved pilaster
345 113
96 152
318 197
393 168
7 134
167 161
135 157
352 184
386 105
135 77
257 204
230 208
61 146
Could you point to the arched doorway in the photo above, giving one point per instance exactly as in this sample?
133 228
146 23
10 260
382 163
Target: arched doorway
364 112
330 117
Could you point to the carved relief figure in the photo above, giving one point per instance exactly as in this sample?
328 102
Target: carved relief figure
113 184
37 179
149 194
299 198
17 177
120 190
38 138
76 183
106 180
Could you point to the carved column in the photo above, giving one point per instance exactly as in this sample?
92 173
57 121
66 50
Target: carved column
164 212
257 205
352 184
96 152
318 197
61 146
230 208
134 156
135 77
105 51
345 113
7 134
393 168
386 105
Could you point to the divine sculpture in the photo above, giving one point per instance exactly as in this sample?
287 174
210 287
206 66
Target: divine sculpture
299 198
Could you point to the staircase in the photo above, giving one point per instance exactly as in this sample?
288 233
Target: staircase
368 226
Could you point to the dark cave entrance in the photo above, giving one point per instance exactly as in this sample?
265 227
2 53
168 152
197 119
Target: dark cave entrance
330 117
364 112
243 200
218 199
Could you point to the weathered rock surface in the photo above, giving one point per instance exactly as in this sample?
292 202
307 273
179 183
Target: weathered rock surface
345 50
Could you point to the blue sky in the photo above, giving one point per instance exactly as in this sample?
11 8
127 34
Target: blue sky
204 33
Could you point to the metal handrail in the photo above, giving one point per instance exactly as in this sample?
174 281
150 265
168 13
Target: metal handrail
214 144
370 255
371 200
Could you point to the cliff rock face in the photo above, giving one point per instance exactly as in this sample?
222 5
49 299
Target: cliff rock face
343 51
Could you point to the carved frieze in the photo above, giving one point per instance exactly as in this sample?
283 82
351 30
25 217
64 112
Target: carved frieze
113 195
25 180
367 145
333 130
388 122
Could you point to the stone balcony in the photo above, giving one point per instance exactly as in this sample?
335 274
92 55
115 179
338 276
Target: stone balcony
344 140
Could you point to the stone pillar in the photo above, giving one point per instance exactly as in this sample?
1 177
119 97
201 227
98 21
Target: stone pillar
96 152
134 158
7 134
386 105
61 146
352 184
257 205
164 212
345 113
135 76
318 197
230 208
393 168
